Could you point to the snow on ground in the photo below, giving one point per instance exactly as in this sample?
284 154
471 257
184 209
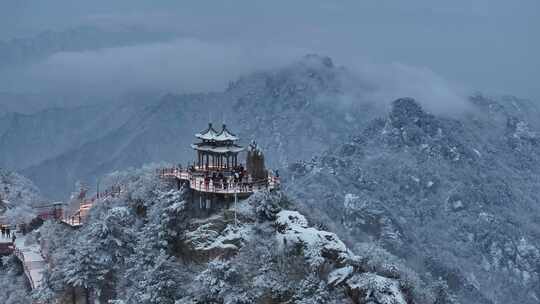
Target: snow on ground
376 289
293 229
33 261
208 237
339 275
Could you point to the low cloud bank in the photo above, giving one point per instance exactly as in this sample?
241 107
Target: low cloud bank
193 65
387 82
182 66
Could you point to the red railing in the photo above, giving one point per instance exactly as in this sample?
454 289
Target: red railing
78 217
54 211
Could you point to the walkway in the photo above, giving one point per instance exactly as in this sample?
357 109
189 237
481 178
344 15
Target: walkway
31 259
78 217
30 255
198 182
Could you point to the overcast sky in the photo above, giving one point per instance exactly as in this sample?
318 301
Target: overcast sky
490 46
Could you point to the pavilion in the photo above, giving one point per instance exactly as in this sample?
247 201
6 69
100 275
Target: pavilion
217 174
217 150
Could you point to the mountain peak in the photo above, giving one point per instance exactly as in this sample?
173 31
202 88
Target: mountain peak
317 60
404 111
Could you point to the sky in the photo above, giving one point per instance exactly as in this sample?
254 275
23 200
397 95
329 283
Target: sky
474 45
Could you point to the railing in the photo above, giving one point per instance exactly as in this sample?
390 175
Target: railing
74 220
20 255
78 217
54 211
6 248
199 182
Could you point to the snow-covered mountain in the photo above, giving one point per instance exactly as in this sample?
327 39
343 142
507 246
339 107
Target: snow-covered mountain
18 196
295 113
152 245
455 198
17 190
30 139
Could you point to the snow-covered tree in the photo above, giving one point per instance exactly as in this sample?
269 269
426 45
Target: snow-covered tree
14 286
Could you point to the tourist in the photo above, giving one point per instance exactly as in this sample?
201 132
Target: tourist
13 238
8 232
206 182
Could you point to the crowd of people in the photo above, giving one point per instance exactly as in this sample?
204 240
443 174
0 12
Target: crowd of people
7 233
222 178
238 176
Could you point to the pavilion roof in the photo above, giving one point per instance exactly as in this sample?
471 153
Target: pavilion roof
209 134
225 135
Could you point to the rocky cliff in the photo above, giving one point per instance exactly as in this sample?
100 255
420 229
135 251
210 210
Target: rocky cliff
454 197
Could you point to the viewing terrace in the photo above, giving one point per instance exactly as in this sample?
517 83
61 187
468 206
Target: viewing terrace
216 180
217 169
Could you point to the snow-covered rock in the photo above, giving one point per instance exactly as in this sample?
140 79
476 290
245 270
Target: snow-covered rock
318 246
372 288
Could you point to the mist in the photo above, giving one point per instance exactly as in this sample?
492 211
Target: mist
194 66
179 66
416 49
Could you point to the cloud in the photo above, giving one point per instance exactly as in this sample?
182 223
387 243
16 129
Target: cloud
181 66
463 40
194 65
388 82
